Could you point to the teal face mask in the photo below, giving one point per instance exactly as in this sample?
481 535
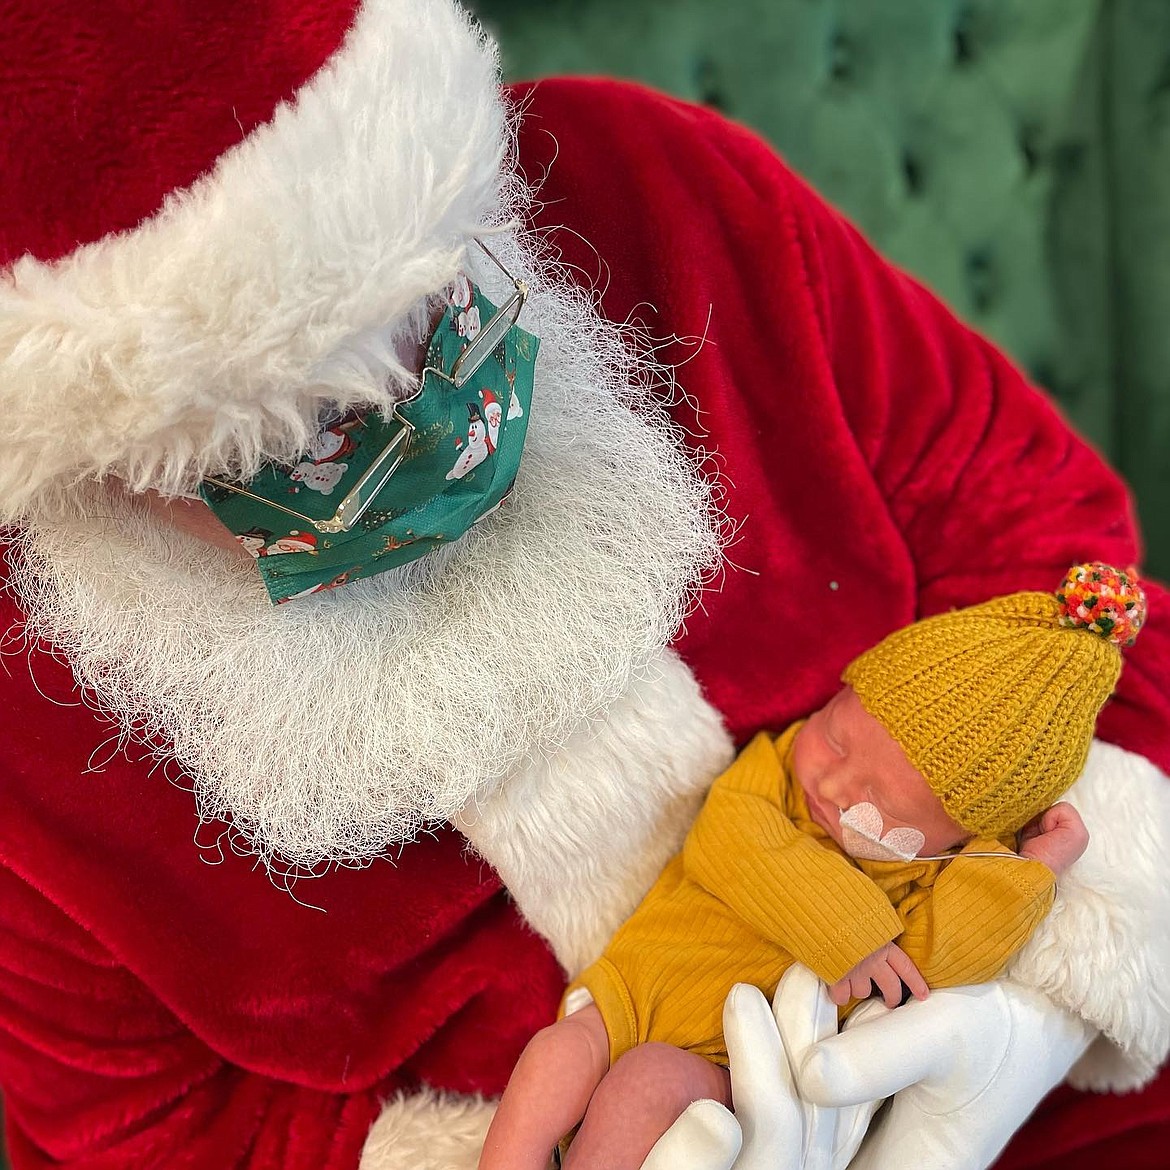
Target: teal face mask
374 492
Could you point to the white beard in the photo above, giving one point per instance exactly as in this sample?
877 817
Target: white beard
337 726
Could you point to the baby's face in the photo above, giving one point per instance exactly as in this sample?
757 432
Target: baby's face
844 756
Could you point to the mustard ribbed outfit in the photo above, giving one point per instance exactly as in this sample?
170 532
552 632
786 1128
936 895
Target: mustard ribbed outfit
759 885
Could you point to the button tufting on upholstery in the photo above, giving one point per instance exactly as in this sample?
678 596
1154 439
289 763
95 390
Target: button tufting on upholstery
709 88
1044 374
841 57
1029 139
912 172
981 278
962 39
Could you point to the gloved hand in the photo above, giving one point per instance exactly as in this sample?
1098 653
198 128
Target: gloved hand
968 1065
772 1128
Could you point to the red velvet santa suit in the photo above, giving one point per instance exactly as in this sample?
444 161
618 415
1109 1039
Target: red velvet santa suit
880 462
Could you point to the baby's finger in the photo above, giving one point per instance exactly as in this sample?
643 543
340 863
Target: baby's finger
1054 818
886 980
909 974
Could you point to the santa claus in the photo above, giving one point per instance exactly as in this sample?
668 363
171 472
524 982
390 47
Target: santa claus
204 205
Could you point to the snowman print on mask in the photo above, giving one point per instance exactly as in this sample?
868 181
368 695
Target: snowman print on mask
320 477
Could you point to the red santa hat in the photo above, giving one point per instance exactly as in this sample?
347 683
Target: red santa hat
202 201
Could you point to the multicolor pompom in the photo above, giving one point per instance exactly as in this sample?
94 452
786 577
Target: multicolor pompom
1104 600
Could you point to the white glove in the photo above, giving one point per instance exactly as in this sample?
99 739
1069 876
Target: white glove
967 1065
772 1128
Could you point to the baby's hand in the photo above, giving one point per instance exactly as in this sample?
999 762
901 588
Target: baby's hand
1057 837
886 969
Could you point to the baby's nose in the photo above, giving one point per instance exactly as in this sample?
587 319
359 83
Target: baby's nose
844 787
838 789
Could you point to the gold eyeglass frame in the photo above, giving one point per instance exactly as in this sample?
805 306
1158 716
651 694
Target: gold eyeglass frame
358 499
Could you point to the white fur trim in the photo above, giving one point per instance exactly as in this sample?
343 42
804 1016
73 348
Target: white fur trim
579 838
1104 951
200 340
428 1131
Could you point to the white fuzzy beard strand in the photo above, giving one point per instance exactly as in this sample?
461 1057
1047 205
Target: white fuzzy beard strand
335 727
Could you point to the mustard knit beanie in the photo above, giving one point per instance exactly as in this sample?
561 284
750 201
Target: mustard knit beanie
996 704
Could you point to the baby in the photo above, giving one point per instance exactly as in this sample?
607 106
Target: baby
831 845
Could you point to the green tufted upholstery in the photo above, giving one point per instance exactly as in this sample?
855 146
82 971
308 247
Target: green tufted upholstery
1014 154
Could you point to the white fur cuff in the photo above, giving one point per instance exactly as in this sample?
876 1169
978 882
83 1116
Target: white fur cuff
428 1131
1104 951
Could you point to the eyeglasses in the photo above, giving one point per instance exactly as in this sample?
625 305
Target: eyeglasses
363 493
492 333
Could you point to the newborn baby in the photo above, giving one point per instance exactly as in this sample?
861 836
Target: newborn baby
874 842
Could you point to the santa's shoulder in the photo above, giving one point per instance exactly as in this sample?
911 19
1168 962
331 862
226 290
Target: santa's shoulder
634 141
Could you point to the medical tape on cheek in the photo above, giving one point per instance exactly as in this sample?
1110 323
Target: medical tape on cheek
862 836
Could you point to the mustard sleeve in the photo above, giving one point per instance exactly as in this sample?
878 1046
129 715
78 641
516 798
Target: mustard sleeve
978 913
786 886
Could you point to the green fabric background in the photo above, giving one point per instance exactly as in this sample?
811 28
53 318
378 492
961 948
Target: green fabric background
1013 154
